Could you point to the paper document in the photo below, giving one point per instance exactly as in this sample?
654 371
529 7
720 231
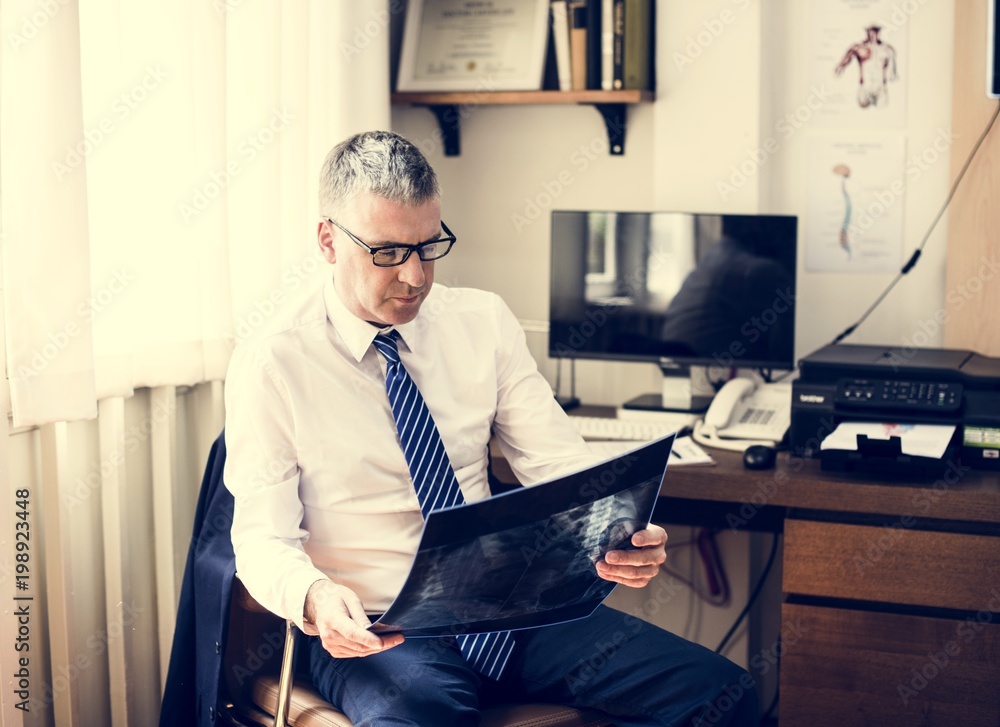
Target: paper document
684 453
527 558
916 440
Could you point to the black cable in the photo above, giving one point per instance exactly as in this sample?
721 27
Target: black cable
783 376
710 562
770 708
766 718
916 253
753 596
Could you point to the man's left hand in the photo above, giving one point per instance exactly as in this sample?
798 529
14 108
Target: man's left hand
636 568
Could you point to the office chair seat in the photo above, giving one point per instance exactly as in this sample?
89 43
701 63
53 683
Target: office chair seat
260 646
309 709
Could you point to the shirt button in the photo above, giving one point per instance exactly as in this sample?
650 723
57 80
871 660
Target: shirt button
218 648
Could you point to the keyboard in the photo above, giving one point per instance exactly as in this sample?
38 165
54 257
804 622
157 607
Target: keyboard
598 428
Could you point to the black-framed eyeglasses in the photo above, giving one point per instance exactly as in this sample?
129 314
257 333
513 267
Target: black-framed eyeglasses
389 256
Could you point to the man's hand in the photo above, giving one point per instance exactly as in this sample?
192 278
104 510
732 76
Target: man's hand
636 568
340 618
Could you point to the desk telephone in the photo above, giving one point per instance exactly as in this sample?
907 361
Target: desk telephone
744 413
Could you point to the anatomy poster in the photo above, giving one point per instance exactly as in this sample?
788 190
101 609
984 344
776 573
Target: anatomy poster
855 206
859 58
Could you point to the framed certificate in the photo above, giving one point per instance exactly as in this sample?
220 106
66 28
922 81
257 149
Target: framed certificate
474 45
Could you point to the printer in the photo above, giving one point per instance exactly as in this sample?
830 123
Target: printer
854 383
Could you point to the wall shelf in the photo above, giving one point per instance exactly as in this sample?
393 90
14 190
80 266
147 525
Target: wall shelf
449 108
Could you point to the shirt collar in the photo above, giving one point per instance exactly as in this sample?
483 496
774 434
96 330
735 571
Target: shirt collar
358 334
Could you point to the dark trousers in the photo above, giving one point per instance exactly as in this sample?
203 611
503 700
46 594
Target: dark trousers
636 673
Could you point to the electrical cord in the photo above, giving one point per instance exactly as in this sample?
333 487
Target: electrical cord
692 601
784 376
715 571
774 702
753 596
718 593
916 253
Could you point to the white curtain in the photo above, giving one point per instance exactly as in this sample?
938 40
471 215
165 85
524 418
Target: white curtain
158 177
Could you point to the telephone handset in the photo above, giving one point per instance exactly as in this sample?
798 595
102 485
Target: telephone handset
744 413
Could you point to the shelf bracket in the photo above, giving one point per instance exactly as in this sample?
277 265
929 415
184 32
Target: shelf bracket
448 120
614 122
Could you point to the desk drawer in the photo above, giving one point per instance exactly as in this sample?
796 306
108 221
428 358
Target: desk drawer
841 668
891 565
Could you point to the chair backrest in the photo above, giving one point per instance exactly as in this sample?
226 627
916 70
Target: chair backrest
253 650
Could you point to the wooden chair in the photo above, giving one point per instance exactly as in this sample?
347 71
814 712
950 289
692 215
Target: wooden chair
259 679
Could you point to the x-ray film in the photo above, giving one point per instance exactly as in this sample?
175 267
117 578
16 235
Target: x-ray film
527 558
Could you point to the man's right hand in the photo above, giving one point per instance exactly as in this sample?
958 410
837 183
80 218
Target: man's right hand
340 618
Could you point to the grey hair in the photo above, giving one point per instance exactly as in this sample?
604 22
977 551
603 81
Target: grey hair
379 162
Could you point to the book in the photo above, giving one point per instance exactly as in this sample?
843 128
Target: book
560 40
578 46
639 33
618 45
550 75
607 44
594 44
525 558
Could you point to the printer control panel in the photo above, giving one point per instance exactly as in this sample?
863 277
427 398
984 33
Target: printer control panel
900 395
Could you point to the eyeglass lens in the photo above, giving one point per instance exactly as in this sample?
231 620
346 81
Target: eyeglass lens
396 255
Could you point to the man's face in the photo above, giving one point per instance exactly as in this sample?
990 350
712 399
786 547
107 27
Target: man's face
383 296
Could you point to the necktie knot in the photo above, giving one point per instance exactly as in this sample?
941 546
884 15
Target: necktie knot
387 346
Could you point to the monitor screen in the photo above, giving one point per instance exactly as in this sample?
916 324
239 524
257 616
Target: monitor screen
694 289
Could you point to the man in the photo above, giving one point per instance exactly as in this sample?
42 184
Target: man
329 492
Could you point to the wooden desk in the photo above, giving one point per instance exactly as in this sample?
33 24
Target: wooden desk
891 612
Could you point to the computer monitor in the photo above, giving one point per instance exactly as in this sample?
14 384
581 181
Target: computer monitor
677 289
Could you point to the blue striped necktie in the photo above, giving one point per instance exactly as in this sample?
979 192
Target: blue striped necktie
436 485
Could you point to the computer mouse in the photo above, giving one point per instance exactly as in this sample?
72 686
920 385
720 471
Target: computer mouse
759 457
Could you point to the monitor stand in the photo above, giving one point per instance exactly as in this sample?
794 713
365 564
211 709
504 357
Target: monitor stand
684 390
572 401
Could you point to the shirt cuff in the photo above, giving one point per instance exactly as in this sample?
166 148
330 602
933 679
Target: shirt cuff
295 597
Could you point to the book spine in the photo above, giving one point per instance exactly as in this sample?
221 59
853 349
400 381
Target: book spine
638 44
560 37
618 46
594 44
550 75
607 44
578 46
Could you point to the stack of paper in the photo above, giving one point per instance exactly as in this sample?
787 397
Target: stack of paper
685 451
916 440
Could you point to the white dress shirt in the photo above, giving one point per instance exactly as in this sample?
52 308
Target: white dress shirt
321 486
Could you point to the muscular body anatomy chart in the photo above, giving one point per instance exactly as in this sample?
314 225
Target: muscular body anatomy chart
858 56
876 62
